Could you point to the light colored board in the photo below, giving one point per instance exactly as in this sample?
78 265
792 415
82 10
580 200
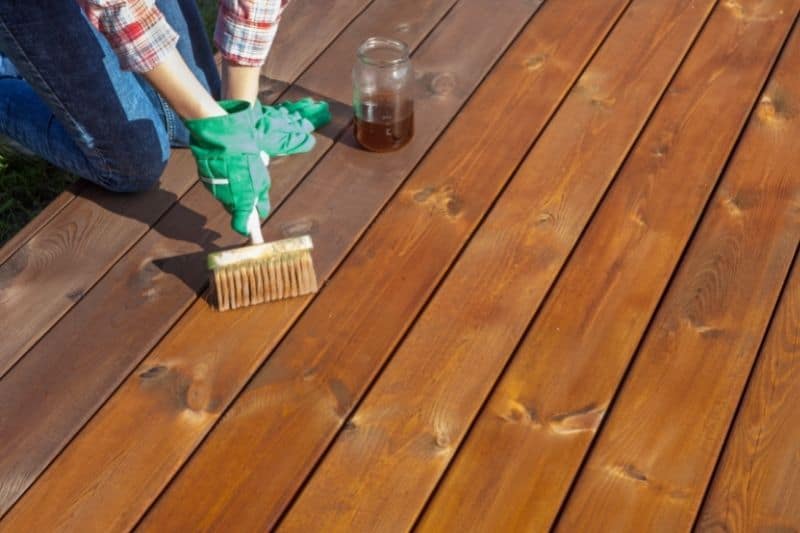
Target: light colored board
516 467
300 398
756 486
655 455
401 438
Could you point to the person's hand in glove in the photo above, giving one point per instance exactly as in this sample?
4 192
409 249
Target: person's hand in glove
228 138
229 159
287 127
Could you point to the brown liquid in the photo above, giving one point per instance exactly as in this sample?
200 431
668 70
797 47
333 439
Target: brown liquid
381 125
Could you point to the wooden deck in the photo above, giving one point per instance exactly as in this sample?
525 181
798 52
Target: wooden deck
572 302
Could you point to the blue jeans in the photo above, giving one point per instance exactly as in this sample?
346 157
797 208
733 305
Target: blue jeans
71 104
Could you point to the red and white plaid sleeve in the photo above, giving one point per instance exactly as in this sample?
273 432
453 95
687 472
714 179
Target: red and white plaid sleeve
246 28
136 29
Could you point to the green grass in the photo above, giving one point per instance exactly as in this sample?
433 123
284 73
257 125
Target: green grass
27 185
208 8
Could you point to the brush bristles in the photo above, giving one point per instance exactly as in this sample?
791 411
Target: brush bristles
271 278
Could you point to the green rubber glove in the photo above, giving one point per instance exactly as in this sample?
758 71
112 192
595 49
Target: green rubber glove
317 112
230 162
287 127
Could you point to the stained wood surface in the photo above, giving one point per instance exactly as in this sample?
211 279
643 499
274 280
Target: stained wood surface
548 304
401 438
311 25
52 271
200 383
148 290
655 454
554 395
363 310
39 221
753 490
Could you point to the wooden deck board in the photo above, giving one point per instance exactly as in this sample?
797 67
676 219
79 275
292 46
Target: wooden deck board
53 270
426 223
554 395
403 436
493 237
655 454
753 490
131 308
39 221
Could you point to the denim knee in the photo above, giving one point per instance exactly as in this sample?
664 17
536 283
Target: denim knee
134 163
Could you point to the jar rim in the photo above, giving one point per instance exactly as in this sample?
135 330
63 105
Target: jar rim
374 43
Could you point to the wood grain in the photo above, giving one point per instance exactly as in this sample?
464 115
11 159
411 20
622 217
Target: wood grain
52 271
40 220
180 390
302 395
655 455
545 411
327 17
756 486
68 374
380 470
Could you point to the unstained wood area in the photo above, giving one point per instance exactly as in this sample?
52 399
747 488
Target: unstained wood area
571 303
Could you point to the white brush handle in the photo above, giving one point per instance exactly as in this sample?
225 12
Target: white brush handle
254 222
254 227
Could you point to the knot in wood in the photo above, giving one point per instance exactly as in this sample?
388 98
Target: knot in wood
634 473
297 228
735 7
586 418
535 62
153 372
766 110
544 218
442 441
660 150
75 295
198 396
776 107
442 84
443 200
517 412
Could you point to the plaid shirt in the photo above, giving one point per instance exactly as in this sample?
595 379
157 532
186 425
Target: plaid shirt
141 36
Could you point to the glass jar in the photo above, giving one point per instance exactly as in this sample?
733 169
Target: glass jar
383 100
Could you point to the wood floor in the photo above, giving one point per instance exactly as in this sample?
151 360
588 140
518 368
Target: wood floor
571 303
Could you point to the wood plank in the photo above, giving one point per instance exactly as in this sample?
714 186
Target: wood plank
654 457
51 272
181 389
379 472
39 221
756 486
312 381
65 378
328 18
545 411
